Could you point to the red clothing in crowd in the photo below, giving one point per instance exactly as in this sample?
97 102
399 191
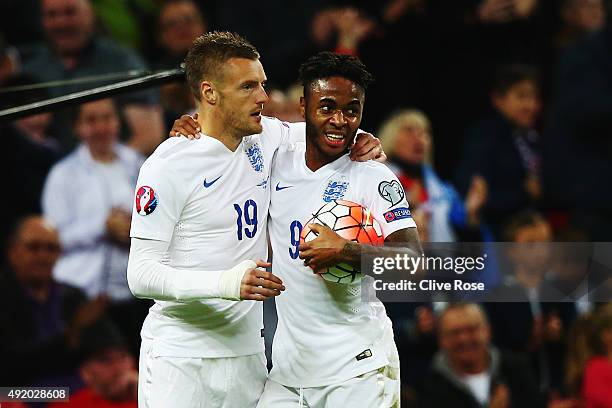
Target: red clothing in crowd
13 405
597 384
86 398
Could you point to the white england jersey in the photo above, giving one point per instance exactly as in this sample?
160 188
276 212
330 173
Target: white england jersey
211 205
324 329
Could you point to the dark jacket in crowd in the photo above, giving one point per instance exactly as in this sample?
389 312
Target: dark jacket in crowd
23 167
491 151
577 150
442 388
33 346
512 319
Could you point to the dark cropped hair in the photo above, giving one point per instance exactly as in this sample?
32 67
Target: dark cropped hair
209 52
509 75
328 64
522 219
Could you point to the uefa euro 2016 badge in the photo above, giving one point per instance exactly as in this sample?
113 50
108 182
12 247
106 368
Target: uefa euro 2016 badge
146 200
255 157
335 190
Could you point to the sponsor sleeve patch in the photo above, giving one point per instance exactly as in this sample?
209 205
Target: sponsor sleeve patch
397 214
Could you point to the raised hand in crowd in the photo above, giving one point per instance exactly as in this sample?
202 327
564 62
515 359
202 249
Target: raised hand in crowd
86 315
396 9
500 397
118 226
352 27
475 199
425 321
553 329
533 187
503 11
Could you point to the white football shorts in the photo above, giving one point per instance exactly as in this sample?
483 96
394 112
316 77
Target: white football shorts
375 389
179 382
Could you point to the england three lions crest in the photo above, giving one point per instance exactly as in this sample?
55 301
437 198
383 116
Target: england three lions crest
335 190
255 157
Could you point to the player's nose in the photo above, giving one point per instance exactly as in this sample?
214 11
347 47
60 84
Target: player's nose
262 96
338 119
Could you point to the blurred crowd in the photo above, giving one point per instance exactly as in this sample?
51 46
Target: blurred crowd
515 95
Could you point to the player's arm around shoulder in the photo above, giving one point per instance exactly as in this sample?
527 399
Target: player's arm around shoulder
189 126
279 133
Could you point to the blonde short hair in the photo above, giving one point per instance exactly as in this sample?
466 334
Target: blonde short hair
391 127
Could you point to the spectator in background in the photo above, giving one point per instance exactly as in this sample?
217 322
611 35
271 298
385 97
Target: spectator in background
578 353
465 41
179 23
341 29
504 148
415 327
589 362
35 127
380 33
281 106
579 18
577 152
469 371
107 369
279 27
88 196
41 320
576 19
27 154
437 208
9 60
572 272
596 389
73 51
294 94
526 312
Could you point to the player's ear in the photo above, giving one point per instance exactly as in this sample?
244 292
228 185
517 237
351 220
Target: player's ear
208 92
302 107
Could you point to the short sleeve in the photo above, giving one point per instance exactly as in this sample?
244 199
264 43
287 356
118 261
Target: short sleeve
277 133
387 199
158 201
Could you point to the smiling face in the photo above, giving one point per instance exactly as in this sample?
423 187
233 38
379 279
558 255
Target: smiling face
465 337
69 24
241 96
34 252
98 125
332 108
